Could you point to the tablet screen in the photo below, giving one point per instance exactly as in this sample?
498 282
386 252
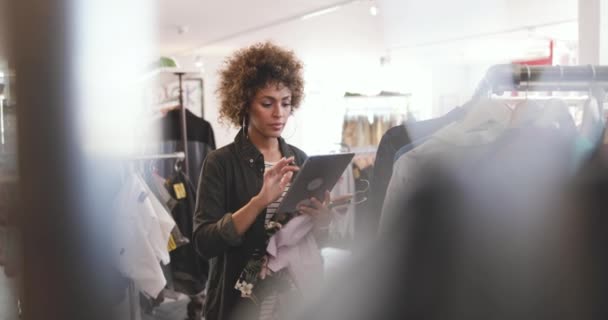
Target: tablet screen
318 174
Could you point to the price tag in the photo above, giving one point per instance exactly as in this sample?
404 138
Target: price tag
172 245
180 191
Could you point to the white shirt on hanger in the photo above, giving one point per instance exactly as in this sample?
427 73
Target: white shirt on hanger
140 237
458 141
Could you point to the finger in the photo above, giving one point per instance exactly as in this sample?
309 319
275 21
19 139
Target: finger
327 199
279 165
285 180
289 169
308 210
316 203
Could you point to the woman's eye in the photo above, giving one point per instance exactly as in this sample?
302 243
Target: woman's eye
266 105
286 105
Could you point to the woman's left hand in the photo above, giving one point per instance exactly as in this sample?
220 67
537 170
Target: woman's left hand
318 210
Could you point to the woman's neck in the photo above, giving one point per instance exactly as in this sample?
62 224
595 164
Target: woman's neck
268 146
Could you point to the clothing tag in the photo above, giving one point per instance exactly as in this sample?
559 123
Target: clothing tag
172 245
180 191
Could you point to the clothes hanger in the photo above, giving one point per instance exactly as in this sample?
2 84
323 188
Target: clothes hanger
179 165
485 111
528 111
598 93
592 123
556 114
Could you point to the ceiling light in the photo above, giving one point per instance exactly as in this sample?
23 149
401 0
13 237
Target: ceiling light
198 62
320 12
373 10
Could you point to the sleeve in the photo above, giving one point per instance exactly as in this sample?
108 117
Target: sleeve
397 192
214 230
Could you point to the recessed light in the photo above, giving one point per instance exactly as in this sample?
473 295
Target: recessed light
373 10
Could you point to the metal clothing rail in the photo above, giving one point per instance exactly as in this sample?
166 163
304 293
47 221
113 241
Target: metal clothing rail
176 155
512 77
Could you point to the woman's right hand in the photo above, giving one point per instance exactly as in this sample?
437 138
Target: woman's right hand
276 180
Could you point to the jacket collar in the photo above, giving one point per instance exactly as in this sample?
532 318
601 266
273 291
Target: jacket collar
250 152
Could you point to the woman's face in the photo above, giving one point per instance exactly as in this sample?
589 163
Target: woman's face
270 110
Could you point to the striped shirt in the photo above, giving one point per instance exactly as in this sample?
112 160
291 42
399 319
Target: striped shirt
272 208
269 306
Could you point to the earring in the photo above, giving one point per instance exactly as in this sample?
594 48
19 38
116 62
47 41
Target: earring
245 126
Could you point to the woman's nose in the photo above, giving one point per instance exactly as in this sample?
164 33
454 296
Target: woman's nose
277 111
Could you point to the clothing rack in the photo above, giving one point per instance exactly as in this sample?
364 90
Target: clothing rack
512 77
176 155
180 73
132 293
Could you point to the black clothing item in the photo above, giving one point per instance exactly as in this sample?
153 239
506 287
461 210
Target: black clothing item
198 129
189 269
201 141
393 140
230 177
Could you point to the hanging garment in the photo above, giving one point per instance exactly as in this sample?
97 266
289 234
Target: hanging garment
186 264
201 141
592 125
454 245
393 140
159 236
453 144
188 268
157 185
349 131
342 226
140 242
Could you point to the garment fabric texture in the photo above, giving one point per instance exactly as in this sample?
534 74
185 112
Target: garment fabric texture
141 235
186 264
342 225
201 141
453 143
487 229
295 248
392 141
272 208
189 270
358 131
230 177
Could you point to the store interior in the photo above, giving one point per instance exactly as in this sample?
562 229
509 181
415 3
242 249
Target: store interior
118 97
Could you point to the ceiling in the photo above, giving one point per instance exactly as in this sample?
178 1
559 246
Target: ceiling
208 22
410 23
221 26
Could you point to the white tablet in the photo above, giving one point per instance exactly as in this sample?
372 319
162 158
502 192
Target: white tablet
317 175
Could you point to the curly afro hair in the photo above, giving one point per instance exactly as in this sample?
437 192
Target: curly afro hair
253 68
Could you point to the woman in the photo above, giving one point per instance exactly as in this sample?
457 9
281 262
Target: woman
242 183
